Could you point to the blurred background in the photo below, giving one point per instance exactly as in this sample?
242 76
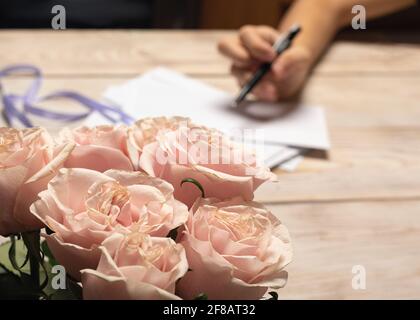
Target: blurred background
162 14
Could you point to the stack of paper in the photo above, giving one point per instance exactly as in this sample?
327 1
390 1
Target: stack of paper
283 134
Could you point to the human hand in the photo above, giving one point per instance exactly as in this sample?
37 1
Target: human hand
253 46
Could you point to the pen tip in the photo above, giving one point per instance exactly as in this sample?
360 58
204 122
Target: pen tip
239 100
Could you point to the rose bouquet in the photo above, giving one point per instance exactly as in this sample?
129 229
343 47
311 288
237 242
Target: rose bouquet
161 209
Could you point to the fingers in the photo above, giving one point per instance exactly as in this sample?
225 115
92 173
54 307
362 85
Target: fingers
282 66
294 60
286 78
252 46
233 49
265 90
243 75
268 34
258 41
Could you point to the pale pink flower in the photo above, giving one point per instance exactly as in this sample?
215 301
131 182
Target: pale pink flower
223 167
100 148
146 130
28 160
83 207
235 250
136 267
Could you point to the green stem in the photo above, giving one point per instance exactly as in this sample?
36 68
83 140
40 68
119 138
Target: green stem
33 244
196 183
34 268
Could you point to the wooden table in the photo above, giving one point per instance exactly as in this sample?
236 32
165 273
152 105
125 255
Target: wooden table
362 207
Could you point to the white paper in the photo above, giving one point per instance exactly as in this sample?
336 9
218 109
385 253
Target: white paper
274 156
292 164
162 92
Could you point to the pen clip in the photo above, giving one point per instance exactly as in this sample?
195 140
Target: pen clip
284 41
279 42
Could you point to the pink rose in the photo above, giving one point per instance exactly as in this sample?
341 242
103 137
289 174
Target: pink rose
83 207
240 244
146 130
100 148
28 160
136 267
224 168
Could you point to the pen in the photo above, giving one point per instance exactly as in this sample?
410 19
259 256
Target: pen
280 46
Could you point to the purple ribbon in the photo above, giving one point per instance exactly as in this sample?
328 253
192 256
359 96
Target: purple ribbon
30 98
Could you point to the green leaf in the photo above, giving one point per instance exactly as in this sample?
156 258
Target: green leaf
196 183
22 280
3 269
47 252
12 287
12 254
20 255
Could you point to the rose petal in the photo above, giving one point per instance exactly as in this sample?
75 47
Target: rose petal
97 286
98 158
74 258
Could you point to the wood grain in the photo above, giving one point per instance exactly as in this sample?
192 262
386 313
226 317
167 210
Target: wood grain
110 53
329 239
